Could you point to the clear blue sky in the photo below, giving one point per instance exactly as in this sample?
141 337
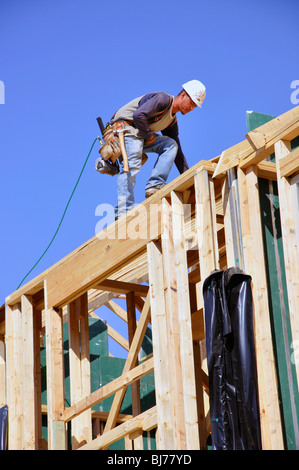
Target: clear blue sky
63 63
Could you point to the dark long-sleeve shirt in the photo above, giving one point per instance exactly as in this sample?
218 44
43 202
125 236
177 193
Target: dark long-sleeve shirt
152 113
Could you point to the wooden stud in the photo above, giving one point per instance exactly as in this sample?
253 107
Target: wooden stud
28 358
79 367
165 436
55 368
131 358
14 376
135 387
107 390
145 421
184 319
85 366
2 373
37 327
290 248
206 225
289 164
202 428
171 306
255 266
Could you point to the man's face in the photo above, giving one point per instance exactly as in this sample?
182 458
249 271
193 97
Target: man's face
186 104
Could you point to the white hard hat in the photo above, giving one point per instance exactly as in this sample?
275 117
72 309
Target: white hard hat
196 90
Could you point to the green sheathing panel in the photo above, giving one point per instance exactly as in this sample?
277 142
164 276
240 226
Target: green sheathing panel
254 120
104 369
278 301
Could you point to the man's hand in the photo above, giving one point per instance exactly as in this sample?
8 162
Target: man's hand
150 141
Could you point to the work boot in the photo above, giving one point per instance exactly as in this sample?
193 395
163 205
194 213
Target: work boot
150 191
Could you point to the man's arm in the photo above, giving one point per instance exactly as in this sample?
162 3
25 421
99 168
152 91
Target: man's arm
180 160
150 104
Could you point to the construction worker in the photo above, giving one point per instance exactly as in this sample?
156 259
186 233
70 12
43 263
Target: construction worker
143 118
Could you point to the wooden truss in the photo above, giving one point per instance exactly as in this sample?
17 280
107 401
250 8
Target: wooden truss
157 258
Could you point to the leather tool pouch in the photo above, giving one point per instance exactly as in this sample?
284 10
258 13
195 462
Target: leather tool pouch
110 150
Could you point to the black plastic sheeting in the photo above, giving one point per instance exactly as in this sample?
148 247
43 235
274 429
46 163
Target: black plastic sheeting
3 427
232 371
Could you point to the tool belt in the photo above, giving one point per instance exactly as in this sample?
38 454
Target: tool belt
111 150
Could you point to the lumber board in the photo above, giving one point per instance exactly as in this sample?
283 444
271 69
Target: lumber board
55 368
79 362
119 311
262 135
206 225
165 438
116 336
197 325
14 380
287 134
254 264
145 421
289 164
126 379
259 143
2 373
231 157
123 287
132 323
28 361
173 331
130 361
184 317
290 248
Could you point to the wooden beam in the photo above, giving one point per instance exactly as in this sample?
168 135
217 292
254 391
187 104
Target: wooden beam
261 136
289 164
231 157
184 318
165 437
55 368
256 157
28 359
107 390
14 376
135 388
174 343
206 225
259 143
119 311
131 358
79 367
37 319
116 336
145 421
255 266
123 287
2 373
290 246
198 326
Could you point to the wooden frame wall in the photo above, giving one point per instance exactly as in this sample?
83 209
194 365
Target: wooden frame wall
159 272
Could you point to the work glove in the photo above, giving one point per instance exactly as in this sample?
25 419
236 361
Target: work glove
150 141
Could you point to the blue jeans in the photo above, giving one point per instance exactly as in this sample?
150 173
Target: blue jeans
165 147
